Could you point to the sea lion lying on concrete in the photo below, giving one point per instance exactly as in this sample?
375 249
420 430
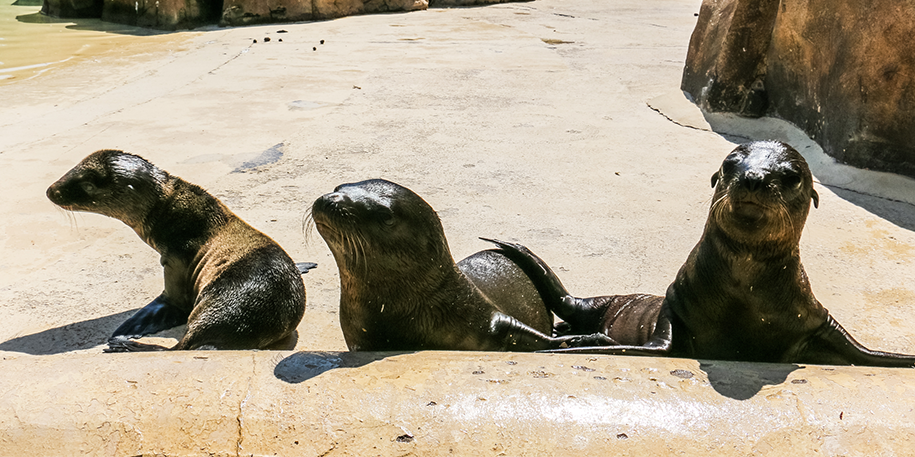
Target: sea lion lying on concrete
233 286
401 290
742 293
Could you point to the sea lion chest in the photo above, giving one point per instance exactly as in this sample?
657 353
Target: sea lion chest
741 307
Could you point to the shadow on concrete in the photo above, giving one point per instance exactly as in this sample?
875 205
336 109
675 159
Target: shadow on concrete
886 195
305 365
71 337
863 188
899 213
741 380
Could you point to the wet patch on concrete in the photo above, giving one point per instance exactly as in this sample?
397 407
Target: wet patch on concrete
270 156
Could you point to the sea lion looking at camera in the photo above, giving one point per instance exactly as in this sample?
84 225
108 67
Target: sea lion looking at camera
401 290
234 286
742 293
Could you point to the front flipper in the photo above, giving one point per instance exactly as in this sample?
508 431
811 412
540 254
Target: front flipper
158 315
125 344
304 267
833 345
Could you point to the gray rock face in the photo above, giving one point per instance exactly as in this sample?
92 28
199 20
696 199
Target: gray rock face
842 70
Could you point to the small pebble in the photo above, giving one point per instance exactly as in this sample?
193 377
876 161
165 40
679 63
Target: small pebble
255 40
322 41
314 49
266 39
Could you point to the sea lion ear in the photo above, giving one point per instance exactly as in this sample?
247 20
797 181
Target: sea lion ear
816 198
714 179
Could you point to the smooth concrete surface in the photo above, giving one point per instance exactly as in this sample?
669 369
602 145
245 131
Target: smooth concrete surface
537 122
446 403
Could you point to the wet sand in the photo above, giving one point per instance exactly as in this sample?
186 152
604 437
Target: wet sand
32 44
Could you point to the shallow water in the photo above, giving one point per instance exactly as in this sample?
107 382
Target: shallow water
32 44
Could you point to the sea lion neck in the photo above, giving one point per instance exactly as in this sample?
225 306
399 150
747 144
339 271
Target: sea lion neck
419 280
762 248
182 220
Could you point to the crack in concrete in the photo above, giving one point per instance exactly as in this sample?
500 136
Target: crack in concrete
230 59
677 123
744 138
241 408
327 452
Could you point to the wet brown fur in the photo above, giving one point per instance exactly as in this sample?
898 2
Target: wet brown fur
400 288
235 287
742 293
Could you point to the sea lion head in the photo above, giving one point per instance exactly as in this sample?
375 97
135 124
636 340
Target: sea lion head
378 227
110 182
762 194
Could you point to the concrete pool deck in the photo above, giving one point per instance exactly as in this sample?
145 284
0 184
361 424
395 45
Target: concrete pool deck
556 124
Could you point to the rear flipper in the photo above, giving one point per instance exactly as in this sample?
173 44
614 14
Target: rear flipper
615 350
833 345
158 315
516 336
562 329
660 344
583 315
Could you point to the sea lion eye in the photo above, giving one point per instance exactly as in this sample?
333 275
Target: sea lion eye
792 181
87 187
731 162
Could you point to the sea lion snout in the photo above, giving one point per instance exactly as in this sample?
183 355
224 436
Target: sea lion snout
54 194
71 190
330 207
752 180
333 199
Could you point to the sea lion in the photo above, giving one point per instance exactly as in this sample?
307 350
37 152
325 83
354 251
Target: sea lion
234 286
400 288
742 293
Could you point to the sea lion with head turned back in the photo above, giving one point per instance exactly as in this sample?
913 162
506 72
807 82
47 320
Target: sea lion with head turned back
234 286
742 293
401 290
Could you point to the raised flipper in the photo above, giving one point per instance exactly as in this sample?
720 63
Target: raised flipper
833 345
304 267
583 314
158 315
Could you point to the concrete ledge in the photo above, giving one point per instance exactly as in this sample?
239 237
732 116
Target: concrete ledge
441 403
